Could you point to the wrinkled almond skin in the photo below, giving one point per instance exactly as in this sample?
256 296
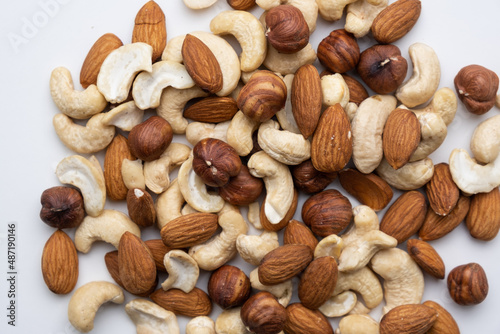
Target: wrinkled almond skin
339 51
308 179
111 261
150 28
229 286
301 320
283 263
62 207
286 29
441 190
141 207
409 319
262 314
117 151
483 218
241 4
212 109
426 257
357 92
477 88
266 224
189 230
158 251
298 233
468 284
242 189
445 323
318 282
396 20
149 139
193 304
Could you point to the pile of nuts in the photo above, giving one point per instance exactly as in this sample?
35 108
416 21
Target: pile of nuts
263 128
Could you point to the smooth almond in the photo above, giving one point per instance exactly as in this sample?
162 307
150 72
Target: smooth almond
441 190
212 109
426 257
301 320
189 230
298 233
150 28
483 218
141 207
409 319
318 282
396 20
283 263
445 323
306 99
193 304
117 151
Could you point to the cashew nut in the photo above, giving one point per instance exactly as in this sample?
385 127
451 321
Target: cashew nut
284 63
339 305
335 90
485 142
433 132
285 115
86 176
351 109
87 299
199 4
182 269
282 291
331 245
229 322
444 103
197 131
365 282
150 318
169 204
133 174
252 248
73 103
200 325
125 116
239 133
187 209
333 10
357 323
253 215
360 16
309 9
411 176
120 68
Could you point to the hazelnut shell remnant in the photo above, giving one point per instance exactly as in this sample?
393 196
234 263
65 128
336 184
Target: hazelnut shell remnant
287 30
477 88
62 207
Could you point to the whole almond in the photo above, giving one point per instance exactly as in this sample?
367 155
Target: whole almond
158 251
111 261
212 109
141 207
189 230
266 224
408 319
357 92
298 233
301 320
193 304
441 190
426 257
396 20
445 323
60 263
306 99
117 151
241 4
318 282
483 218
283 263
150 28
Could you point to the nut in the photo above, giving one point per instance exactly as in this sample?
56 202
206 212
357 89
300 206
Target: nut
318 282
396 20
262 314
149 139
410 318
268 225
150 28
301 320
283 263
483 218
158 251
141 208
229 287
468 284
444 323
189 230
298 233
339 51
287 30
477 88
357 92
212 109
426 257
193 304
442 192
308 179
117 151
241 4
242 189
62 207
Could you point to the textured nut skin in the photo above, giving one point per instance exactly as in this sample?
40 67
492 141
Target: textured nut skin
301 320
283 263
441 190
477 88
212 109
268 226
483 218
193 304
357 92
445 323
189 230
141 207
287 30
62 207
117 151
241 4
149 139
410 319
306 99
426 257
318 282
262 314
242 189
308 179
396 20
158 251
339 51
111 261
468 284
229 287
298 233
150 28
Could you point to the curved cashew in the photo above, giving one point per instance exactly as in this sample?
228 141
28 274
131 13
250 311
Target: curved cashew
86 176
133 174
360 16
358 323
331 245
169 204
229 322
425 78
187 209
360 308
363 281
91 138
403 279
284 63
119 69
444 103
351 109
75 104
157 172
282 291
248 32
433 132
252 248
108 227
309 9
150 318
411 176
367 127
239 133
485 141
87 299
221 248
200 325
125 116
253 215
339 305
182 269
285 115
197 131
199 4
278 182
335 90
332 10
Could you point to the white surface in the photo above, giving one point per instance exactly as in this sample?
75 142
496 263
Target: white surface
55 33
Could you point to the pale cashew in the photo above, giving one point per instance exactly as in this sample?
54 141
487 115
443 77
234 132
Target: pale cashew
91 138
248 32
403 278
360 308
285 115
282 291
339 305
133 174
278 182
333 10
411 176
367 127
284 63
360 16
187 209
169 204
444 103
157 172
485 141
425 78
182 269
252 248
200 325
86 176
363 281
199 4
73 103
309 9
221 248
87 299
433 132
253 215
197 131
108 227
357 323
150 318
335 90
229 322
331 245
120 68
351 109
239 133
125 116
173 49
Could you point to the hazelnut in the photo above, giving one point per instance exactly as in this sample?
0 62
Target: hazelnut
141 207
310 180
215 161
62 207
339 51
262 314
242 189
477 88
382 68
468 284
287 30
229 286
149 139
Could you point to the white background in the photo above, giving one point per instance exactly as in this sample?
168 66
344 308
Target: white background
37 36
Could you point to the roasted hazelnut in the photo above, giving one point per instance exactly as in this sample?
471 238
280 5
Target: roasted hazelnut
242 189
229 286
477 88
286 29
215 161
262 314
149 139
62 207
382 68
339 51
310 180
468 284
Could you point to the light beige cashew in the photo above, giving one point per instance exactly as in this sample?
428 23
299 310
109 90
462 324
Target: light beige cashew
86 301
120 68
282 291
150 318
333 10
360 16
91 138
425 78
239 133
433 132
485 141
200 325
367 127
252 248
360 308
133 174
364 281
229 322
182 269
285 115
284 63
411 176
357 323
221 248
196 131
173 49
331 245
253 215
309 9
199 4
444 103
88 178
125 116
187 209
335 90
109 227
403 278
284 146
169 204
157 172
278 182
351 109
245 77
339 305
249 33
73 103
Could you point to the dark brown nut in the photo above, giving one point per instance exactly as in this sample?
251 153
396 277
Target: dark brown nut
241 4
382 68
141 207
468 284
262 314
193 304
62 207
229 286
299 234
212 109
339 51
318 282
301 320
286 29
149 139
477 88
284 263
215 161
242 189
266 224
308 179
357 92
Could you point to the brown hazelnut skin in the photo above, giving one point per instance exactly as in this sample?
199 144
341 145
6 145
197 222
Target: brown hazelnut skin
287 30
382 68
308 179
215 161
339 51
262 314
242 189
62 207
149 139
468 284
229 286
477 88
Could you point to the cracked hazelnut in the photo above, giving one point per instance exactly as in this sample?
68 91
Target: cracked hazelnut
149 139
62 207
339 51
468 284
286 29
242 189
477 88
262 314
229 286
310 180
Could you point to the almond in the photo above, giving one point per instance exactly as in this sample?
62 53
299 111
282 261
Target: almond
408 319
445 323
401 137
189 230
483 218
331 147
158 251
396 20
117 151
318 282
150 28
266 224
441 190
298 233
192 304
283 263
301 320
426 257
212 109
141 207
111 261
357 92
405 216
60 263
